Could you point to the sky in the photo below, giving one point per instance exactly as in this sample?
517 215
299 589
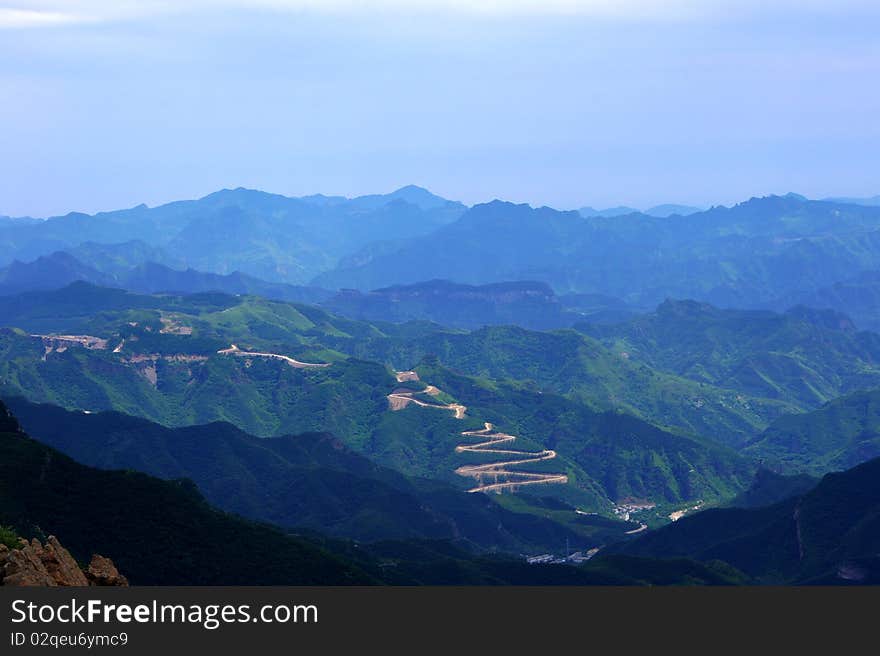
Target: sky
106 104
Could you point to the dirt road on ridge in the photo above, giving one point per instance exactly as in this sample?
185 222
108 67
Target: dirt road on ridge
234 350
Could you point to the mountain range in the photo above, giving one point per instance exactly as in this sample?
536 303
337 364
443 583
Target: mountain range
153 371
164 533
273 237
803 357
401 389
755 254
60 269
532 305
746 255
661 211
309 481
529 304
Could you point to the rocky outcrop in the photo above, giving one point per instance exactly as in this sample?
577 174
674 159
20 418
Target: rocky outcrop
59 563
103 572
51 565
23 566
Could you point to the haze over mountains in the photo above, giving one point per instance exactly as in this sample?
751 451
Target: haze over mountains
762 253
274 237
751 254
346 370
662 211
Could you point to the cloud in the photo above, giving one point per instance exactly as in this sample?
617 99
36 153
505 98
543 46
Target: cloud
47 13
20 18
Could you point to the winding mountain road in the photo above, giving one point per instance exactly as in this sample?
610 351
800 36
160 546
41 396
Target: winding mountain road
399 400
501 473
501 469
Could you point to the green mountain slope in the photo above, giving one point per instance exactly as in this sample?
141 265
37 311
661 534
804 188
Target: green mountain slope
176 379
566 362
581 368
802 357
348 399
839 435
180 380
157 532
163 533
606 455
769 487
830 534
306 481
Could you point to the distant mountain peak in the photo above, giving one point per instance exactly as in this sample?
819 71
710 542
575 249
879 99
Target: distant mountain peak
420 196
444 286
685 308
58 256
237 192
671 209
411 194
497 202
47 272
775 202
410 188
609 212
824 318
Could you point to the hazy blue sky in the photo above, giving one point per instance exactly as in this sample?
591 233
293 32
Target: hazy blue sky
109 103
